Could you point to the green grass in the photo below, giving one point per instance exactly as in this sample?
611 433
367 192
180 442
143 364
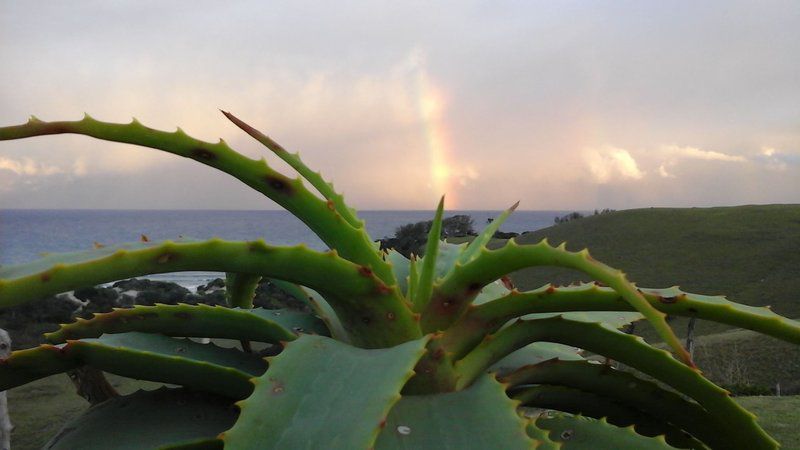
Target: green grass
780 417
748 253
38 410
743 357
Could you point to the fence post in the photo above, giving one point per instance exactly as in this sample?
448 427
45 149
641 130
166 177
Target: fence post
690 336
5 420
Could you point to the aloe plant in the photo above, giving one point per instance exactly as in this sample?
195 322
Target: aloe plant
432 352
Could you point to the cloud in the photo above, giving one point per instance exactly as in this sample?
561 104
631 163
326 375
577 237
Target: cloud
79 167
611 163
696 153
662 170
28 167
777 160
672 155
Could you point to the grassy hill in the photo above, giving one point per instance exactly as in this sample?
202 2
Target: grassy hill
751 254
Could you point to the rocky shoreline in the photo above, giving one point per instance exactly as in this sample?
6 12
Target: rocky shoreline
26 323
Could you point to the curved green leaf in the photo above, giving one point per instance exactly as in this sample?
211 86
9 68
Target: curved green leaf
143 356
328 315
376 315
630 350
401 267
353 243
672 301
315 178
138 421
485 236
260 325
579 433
320 393
576 401
428 272
479 417
535 353
458 289
626 389
240 289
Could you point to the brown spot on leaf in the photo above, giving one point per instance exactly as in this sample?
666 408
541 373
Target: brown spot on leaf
203 154
45 277
550 289
390 315
364 271
166 257
279 183
331 206
667 300
382 289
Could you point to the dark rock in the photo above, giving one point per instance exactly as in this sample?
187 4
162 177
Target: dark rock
216 283
51 309
216 297
151 292
505 235
270 296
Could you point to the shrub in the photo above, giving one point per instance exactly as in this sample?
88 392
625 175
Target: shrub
410 239
429 352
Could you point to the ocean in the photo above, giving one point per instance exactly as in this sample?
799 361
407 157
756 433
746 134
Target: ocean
26 234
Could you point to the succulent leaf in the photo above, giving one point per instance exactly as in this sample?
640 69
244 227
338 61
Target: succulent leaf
351 242
314 178
625 389
535 353
426 275
402 269
578 432
460 287
205 367
629 350
575 401
485 236
383 321
240 289
328 315
672 301
260 325
137 421
320 393
478 417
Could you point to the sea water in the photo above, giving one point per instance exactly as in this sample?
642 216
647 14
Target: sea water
25 234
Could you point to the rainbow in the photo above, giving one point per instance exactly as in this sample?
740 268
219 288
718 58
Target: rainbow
430 104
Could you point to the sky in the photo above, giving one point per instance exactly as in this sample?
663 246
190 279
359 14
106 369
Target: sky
561 105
